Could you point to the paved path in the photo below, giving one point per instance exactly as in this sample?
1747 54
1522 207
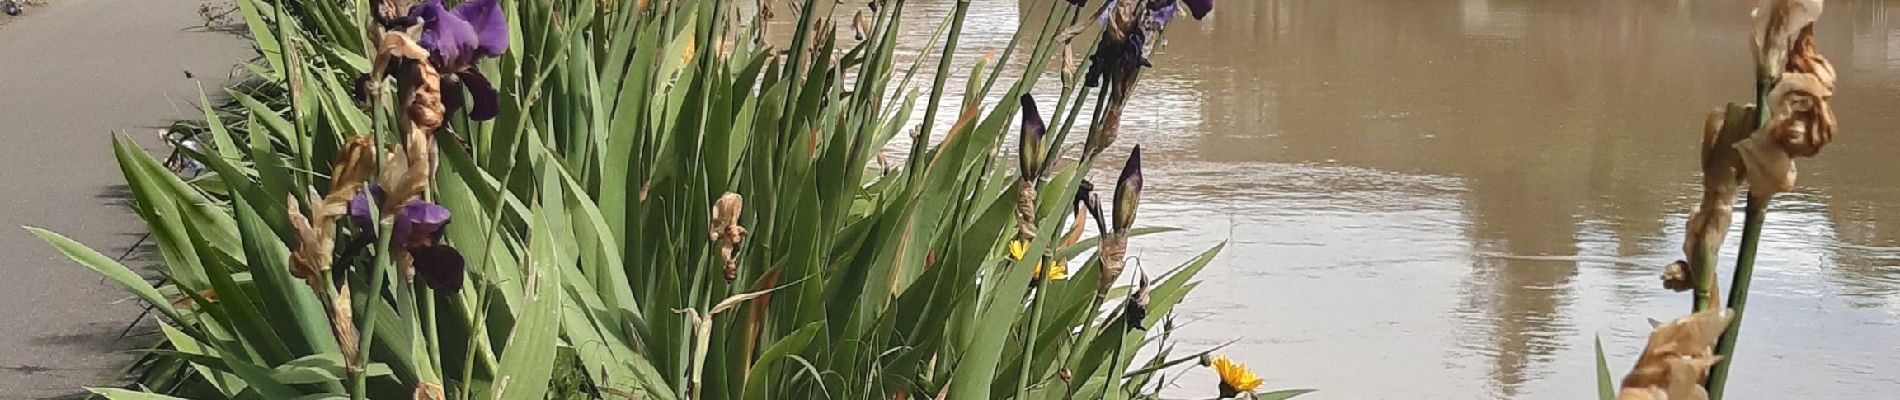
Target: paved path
72 73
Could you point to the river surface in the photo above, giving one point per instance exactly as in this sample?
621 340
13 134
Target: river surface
1443 199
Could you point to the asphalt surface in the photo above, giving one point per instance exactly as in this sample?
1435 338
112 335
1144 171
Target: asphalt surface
73 73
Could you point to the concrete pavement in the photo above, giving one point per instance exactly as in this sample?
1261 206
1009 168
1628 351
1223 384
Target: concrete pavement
72 73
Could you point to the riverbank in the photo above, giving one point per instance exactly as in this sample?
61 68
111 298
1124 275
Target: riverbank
72 73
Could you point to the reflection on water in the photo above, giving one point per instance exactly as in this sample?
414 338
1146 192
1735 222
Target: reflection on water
1451 199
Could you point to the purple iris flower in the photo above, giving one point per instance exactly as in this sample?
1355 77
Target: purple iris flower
418 232
1199 8
456 38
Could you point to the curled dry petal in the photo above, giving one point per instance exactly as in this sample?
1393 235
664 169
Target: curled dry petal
354 163
1799 124
1803 58
304 264
1770 169
428 391
726 232
1677 357
343 324
1112 252
1678 276
1778 25
1025 210
1136 311
1721 177
1085 198
421 96
1801 121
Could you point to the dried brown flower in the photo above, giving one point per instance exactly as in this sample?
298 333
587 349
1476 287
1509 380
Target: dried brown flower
1137 308
1801 120
1677 358
343 324
1025 210
1721 178
1803 58
726 232
1678 276
428 391
314 237
1800 123
1113 249
1779 25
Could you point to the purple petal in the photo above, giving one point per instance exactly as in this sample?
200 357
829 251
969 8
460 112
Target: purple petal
1165 13
1199 8
487 101
359 208
420 222
440 266
491 28
451 94
450 40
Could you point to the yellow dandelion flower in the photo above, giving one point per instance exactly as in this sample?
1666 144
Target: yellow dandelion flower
1057 271
1234 377
1017 248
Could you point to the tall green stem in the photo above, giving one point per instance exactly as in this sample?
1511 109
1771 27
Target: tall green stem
1744 263
1738 292
936 89
1111 383
359 382
1029 337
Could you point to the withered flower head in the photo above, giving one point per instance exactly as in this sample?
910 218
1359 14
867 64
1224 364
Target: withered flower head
1085 198
314 236
726 232
1025 209
390 14
428 391
355 161
1136 311
343 324
1801 120
1678 276
1779 25
1678 357
1128 191
1800 123
1112 253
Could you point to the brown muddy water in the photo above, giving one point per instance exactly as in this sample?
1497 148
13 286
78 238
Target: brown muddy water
1445 199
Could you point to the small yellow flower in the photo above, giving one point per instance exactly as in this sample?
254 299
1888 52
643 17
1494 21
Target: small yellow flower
1057 271
1234 377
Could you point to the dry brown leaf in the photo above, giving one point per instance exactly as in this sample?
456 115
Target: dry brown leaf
1677 357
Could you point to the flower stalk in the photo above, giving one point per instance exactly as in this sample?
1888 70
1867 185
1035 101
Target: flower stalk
1792 86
